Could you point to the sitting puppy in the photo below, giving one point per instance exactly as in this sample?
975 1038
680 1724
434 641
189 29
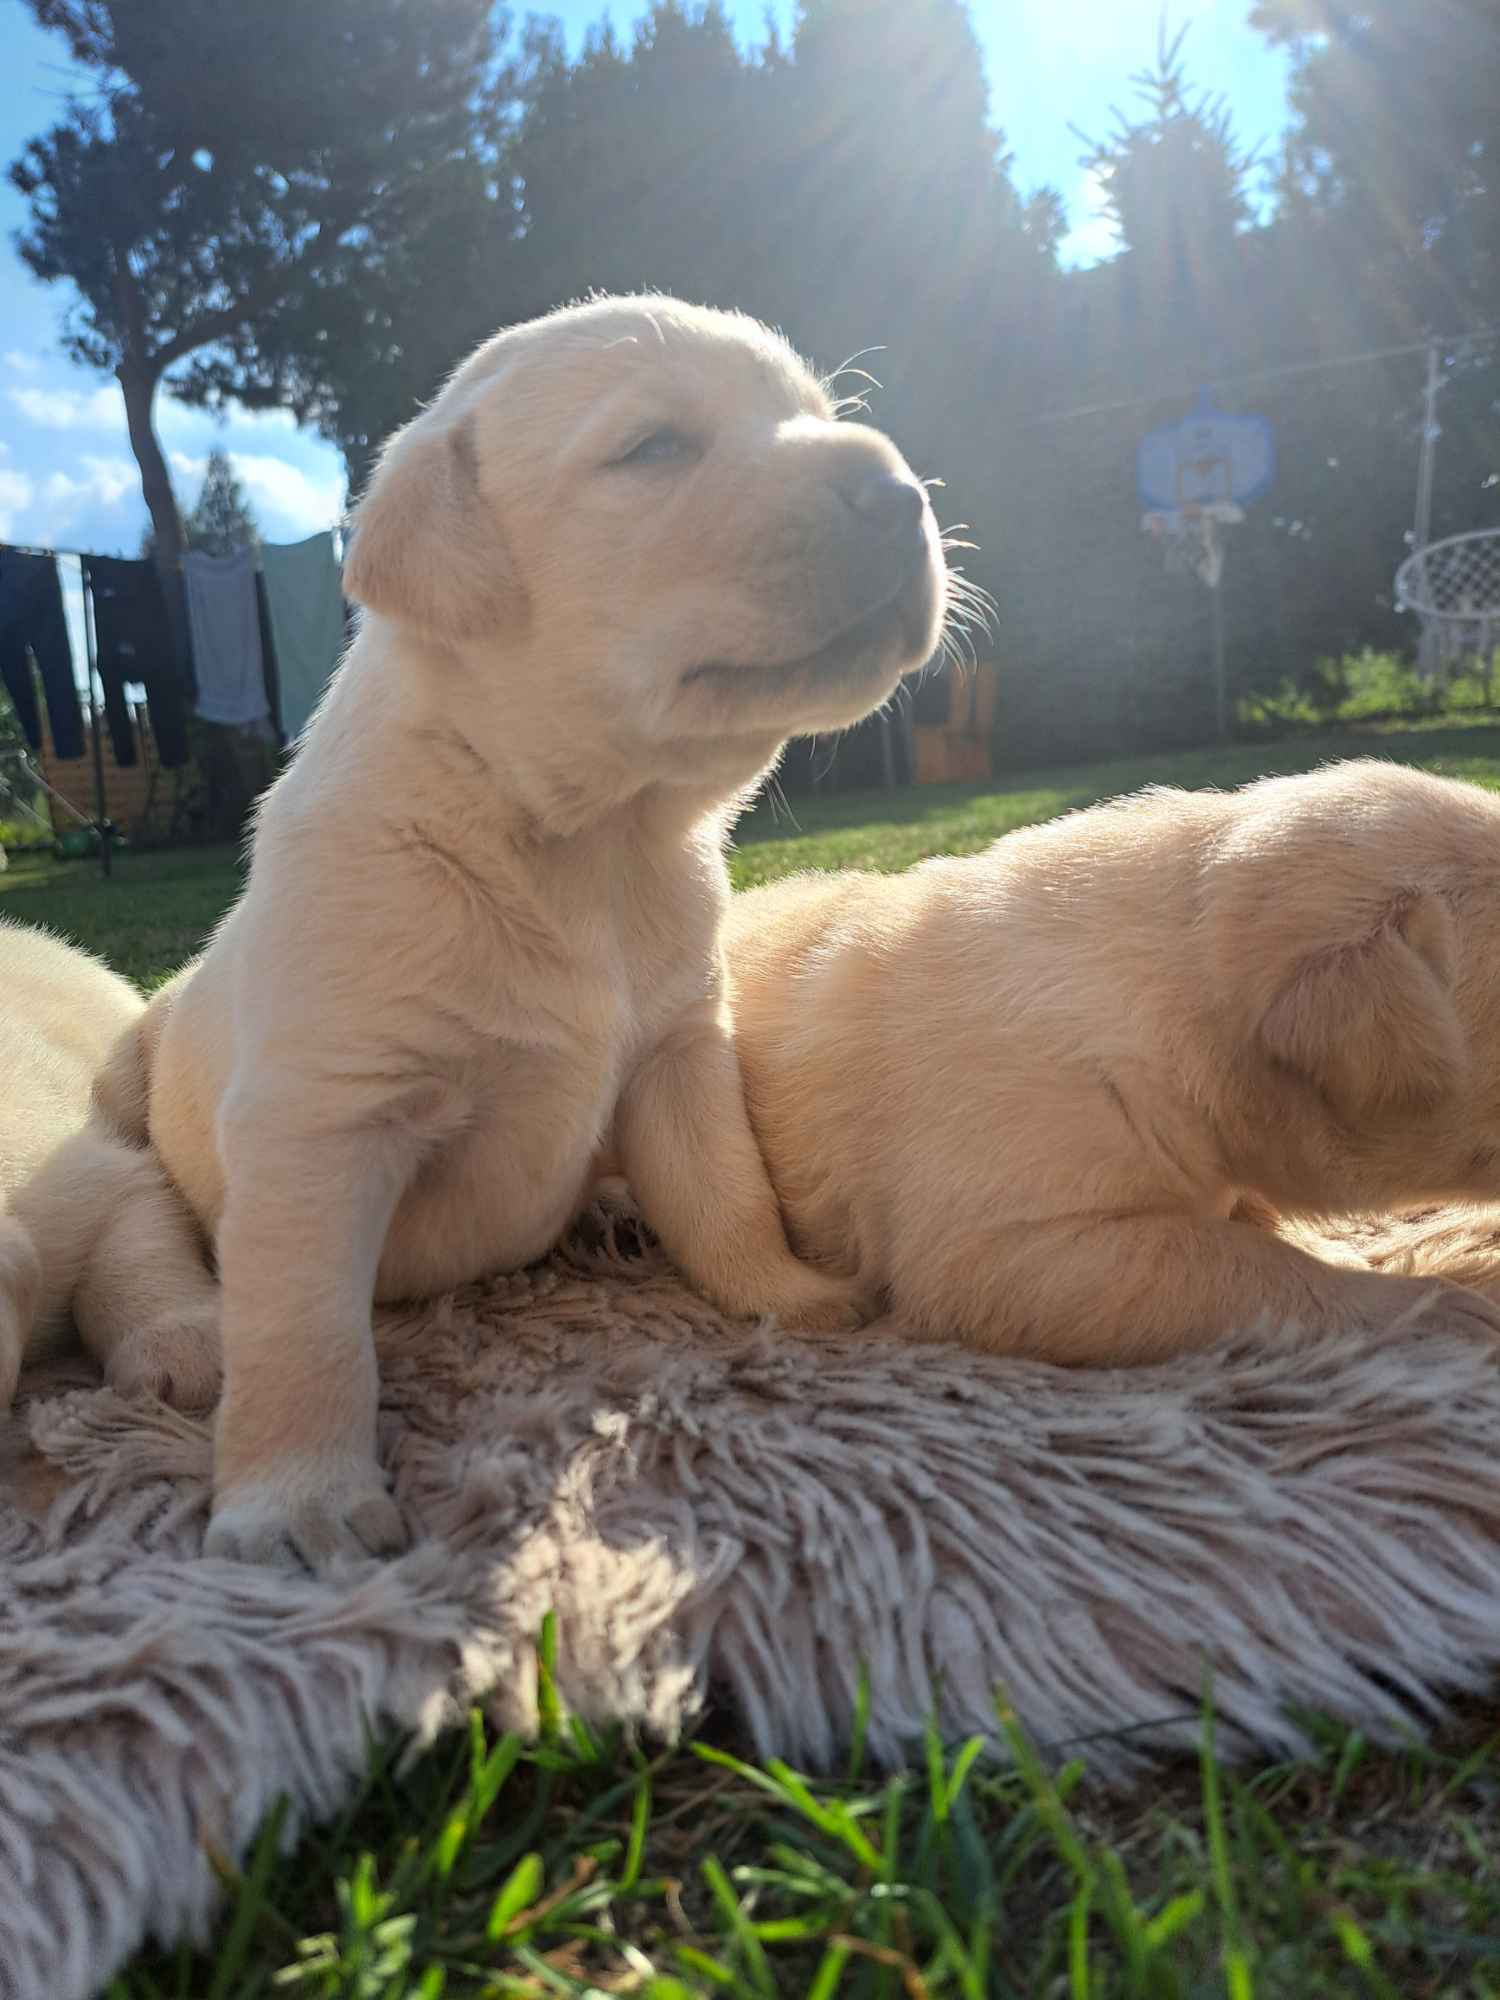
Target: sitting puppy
90 1229
1082 1096
621 558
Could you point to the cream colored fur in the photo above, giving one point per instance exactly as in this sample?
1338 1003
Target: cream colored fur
1084 1096
479 935
89 1231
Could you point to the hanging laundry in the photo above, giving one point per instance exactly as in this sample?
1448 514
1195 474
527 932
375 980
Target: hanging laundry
134 642
305 592
268 655
31 617
225 624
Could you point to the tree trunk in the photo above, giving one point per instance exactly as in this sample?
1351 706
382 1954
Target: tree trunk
139 387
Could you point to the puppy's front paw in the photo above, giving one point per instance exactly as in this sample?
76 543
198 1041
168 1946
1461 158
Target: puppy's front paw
304 1515
176 1358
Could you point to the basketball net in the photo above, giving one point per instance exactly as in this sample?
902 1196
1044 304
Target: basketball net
1191 537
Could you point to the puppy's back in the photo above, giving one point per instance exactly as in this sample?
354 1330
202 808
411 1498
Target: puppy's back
916 1048
61 1011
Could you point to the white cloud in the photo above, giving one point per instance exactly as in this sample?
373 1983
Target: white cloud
304 503
183 420
22 364
71 409
91 471
104 409
1092 236
297 502
16 494
104 481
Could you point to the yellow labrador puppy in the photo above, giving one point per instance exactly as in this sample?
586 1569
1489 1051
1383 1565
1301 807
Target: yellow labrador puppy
89 1228
1078 1097
621 558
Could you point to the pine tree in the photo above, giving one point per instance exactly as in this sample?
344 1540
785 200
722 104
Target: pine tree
223 520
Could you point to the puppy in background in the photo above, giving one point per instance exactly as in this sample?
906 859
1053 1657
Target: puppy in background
625 553
1086 1096
90 1230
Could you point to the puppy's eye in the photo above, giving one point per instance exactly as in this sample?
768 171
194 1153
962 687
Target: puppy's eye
662 447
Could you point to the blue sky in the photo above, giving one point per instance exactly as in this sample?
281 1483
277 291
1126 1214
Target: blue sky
66 474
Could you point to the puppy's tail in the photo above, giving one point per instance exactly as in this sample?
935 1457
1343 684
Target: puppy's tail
20 1300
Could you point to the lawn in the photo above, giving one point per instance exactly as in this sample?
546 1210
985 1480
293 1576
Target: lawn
583 1866
160 907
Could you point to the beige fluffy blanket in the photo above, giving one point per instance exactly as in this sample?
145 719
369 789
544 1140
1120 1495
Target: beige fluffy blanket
711 1511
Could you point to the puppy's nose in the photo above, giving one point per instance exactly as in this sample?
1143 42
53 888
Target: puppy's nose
888 504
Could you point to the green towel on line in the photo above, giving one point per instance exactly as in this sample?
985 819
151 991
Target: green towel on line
305 594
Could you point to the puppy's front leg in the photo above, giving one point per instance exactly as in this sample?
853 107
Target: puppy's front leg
688 1151
305 1219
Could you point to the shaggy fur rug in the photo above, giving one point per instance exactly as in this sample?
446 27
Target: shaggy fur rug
712 1512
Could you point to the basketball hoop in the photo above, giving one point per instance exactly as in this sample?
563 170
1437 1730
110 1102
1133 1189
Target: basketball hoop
1195 480
1454 588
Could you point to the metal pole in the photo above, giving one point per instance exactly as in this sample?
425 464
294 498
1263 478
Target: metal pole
101 811
1221 702
887 751
1422 525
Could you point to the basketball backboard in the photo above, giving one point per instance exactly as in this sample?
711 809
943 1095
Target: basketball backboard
1209 456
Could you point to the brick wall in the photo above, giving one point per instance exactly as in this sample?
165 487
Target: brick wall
138 797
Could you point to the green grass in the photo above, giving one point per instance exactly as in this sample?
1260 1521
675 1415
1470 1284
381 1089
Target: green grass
891 830
582 1866
154 913
161 906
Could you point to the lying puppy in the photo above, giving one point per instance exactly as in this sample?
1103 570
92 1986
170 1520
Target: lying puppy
621 558
90 1229
1078 1097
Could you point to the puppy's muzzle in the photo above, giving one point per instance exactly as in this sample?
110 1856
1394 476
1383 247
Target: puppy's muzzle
888 508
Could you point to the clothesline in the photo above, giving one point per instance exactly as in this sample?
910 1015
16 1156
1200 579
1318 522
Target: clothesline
34 770
32 549
92 555
252 644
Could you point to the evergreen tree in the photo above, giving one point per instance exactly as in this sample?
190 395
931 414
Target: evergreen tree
223 521
1396 132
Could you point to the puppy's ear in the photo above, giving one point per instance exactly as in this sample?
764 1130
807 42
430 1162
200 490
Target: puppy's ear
427 547
1372 1024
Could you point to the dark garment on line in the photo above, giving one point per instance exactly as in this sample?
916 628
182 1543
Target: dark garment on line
135 642
268 656
31 616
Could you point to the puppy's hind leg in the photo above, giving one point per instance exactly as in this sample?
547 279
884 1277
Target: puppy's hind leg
146 1305
97 1234
1119 1290
690 1156
20 1296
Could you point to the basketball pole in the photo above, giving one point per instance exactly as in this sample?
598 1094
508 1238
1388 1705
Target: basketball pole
102 823
1422 525
1221 700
